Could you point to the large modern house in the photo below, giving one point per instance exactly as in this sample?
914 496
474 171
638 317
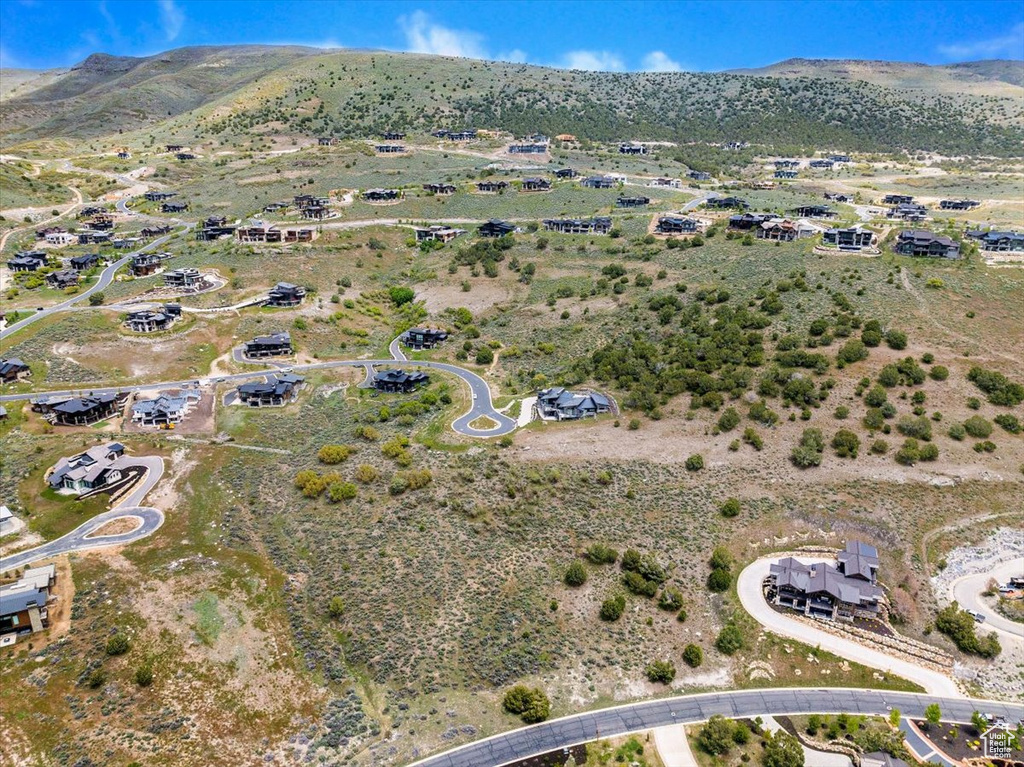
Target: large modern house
598 182
558 404
187 279
677 225
636 201
276 390
746 221
923 243
596 225
13 369
998 242
285 294
399 380
62 279
23 604
144 264
496 228
491 186
782 230
97 467
727 203
437 232
423 338
907 211
845 590
27 261
958 204
151 320
78 411
852 238
168 407
274 345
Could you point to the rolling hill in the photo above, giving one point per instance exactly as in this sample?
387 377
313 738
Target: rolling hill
201 92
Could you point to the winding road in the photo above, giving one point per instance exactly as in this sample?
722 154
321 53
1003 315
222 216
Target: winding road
106 277
79 539
692 709
967 591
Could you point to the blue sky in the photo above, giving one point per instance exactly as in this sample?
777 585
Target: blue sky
628 36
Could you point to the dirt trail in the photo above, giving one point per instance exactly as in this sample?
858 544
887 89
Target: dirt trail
909 287
69 208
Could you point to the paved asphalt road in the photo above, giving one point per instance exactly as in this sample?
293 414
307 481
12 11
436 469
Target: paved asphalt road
106 277
967 591
481 393
78 540
689 709
748 587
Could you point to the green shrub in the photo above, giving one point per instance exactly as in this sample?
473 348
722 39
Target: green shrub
695 462
846 444
1009 422
336 607
670 599
917 427
896 339
144 675
960 627
879 447
118 644
730 640
341 491
1000 390
809 452
663 671
957 432
729 419
939 373
978 427
600 554
719 581
612 608
909 454
730 507
333 454
531 705
575 574
715 737
693 656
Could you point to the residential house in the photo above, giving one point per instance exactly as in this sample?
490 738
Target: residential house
538 138
914 242
259 234
698 175
27 261
326 141
24 604
782 230
285 294
558 404
310 201
596 225
173 207
65 278
399 380
726 203
93 237
60 239
97 467
184 156
274 207
175 147
423 338
149 232
166 408
907 211
187 278
81 411
463 135
814 211
392 135
144 264
897 199
13 369
528 148
436 232
853 238
101 222
389 148
677 225
316 212
213 228
273 345
535 184
491 186
124 155
735 146
787 164
839 197
443 189
276 390
300 235
749 220
90 210
154 196
126 243
153 320
382 195
958 204
822 164
838 158
667 183
858 560
42 233
821 590
998 242
566 173
632 149
598 182
496 228
786 174
637 201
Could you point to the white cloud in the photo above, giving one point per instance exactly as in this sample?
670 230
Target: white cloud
1010 44
595 61
172 18
658 61
514 56
424 36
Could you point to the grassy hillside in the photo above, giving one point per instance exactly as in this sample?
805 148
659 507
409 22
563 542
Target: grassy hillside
207 91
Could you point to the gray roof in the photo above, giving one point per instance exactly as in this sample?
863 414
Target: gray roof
12 602
821 577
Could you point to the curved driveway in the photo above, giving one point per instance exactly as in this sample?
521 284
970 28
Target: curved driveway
691 709
751 597
106 277
79 540
967 591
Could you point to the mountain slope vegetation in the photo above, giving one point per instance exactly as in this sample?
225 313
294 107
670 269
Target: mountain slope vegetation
210 91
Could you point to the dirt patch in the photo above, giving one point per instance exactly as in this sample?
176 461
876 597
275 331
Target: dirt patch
118 526
201 420
482 297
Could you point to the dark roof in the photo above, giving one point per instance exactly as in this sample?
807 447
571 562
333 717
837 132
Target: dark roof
12 602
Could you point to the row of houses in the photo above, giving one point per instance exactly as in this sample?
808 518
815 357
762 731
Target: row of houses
262 233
